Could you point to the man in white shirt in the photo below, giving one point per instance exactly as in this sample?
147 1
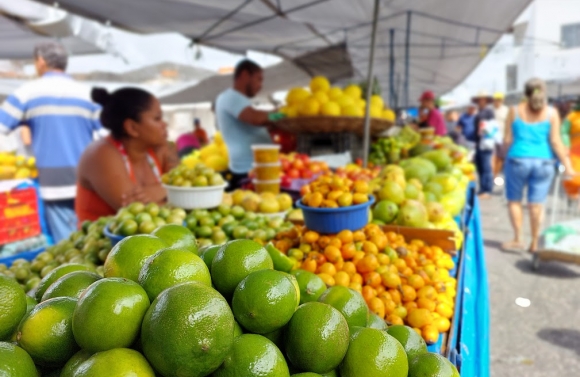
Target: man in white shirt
501 113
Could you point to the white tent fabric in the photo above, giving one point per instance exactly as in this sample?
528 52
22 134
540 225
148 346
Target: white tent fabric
448 38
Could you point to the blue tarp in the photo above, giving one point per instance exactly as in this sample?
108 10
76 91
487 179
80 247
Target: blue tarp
472 352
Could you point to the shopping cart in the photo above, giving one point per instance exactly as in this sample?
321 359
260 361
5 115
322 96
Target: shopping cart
561 237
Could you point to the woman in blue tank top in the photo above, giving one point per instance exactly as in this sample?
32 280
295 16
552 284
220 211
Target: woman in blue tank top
532 136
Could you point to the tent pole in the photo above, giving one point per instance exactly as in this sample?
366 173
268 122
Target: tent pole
367 125
392 68
407 45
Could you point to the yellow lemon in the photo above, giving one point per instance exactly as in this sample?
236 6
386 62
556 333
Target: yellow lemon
334 93
319 83
389 115
352 111
310 107
344 101
330 109
353 91
296 96
321 97
376 112
377 101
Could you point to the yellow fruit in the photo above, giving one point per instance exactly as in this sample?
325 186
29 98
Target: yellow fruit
442 324
334 93
361 103
289 111
22 173
296 96
376 112
353 91
430 333
377 101
217 163
330 109
319 83
352 111
310 107
389 115
285 201
345 101
419 318
321 97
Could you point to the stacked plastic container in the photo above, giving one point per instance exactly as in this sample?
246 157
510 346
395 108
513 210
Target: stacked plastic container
267 167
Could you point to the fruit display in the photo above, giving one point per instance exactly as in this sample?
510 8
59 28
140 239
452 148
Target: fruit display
14 166
139 218
402 282
300 166
391 150
263 203
355 172
320 99
199 175
87 246
232 314
333 191
213 155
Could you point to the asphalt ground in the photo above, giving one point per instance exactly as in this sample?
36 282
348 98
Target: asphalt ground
542 339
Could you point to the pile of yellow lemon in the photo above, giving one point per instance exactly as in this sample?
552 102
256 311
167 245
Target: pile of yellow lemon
323 99
213 155
17 167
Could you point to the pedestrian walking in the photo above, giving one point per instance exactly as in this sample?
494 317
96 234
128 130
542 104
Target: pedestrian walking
62 119
532 138
486 127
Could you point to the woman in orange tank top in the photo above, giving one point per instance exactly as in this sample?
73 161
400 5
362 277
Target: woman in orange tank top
126 166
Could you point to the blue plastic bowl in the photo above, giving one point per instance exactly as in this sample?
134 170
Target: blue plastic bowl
115 238
333 220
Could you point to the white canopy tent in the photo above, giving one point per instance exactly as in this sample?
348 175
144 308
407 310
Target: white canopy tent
420 45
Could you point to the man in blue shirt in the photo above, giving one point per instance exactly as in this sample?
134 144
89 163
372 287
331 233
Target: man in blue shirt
483 150
467 125
240 124
63 121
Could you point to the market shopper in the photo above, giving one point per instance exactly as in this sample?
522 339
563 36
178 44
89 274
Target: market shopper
240 124
500 111
127 165
486 128
466 125
63 120
429 115
533 139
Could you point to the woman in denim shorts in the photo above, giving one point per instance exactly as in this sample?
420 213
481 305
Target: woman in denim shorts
532 138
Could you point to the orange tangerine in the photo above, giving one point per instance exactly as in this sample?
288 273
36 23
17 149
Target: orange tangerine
368 292
358 236
416 281
309 265
348 251
377 306
419 317
410 305
342 278
334 194
383 259
339 264
391 280
327 268
332 253
400 311
395 295
390 305
425 303
372 278
395 320
315 199
427 292
408 293
370 248
444 310
356 286
323 241
442 324
349 268
380 289
380 240
367 264
430 333
327 279
356 278
345 236
310 236
335 242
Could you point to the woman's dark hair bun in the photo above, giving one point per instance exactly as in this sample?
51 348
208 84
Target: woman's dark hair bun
100 96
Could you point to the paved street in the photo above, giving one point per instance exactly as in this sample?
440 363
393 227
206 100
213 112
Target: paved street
544 338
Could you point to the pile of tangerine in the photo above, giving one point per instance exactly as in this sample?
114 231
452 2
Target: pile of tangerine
402 282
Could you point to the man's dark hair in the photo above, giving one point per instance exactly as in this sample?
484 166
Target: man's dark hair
247 66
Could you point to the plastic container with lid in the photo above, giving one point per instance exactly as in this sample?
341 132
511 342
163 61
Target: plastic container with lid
266 153
272 185
267 172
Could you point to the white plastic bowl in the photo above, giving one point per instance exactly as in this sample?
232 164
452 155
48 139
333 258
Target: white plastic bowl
195 197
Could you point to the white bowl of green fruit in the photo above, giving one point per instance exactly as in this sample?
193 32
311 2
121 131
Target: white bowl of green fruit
197 188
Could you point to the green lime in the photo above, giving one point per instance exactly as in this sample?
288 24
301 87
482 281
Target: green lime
136 208
276 337
237 330
147 227
253 355
15 362
152 209
188 331
109 314
316 338
177 237
73 363
280 260
412 343
56 274
164 212
30 304
115 362
374 353
239 232
234 261
307 374
311 286
204 231
376 322
349 302
206 221
70 285
208 254
264 301
12 306
143 216
128 256
46 333
170 267
191 223
128 227
431 365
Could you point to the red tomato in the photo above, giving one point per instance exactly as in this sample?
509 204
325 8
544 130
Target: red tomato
307 174
286 165
286 181
298 164
293 173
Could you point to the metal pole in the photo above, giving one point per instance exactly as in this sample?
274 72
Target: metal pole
367 129
392 68
407 45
